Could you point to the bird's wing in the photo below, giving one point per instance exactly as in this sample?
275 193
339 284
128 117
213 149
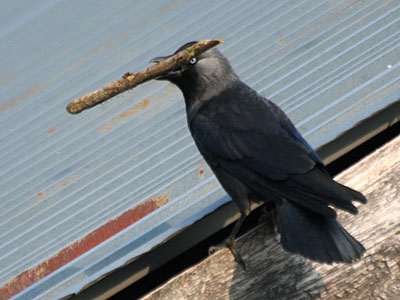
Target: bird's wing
259 142
259 145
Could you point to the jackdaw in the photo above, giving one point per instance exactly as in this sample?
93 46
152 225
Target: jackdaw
256 153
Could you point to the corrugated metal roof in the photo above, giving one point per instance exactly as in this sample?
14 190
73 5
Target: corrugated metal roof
82 195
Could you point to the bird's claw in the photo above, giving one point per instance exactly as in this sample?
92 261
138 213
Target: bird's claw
215 248
238 257
231 245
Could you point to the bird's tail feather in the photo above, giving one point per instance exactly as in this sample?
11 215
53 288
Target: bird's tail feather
316 183
315 236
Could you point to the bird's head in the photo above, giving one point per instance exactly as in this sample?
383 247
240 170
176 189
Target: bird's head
203 74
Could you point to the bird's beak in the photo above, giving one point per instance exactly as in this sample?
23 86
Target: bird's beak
171 74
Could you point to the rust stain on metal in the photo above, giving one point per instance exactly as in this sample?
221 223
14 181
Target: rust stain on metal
201 174
51 130
54 189
336 14
126 114
21 97
91 240
130 112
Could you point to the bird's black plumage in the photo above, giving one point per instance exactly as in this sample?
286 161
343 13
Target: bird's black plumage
257 153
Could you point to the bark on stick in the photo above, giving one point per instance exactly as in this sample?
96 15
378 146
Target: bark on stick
131 80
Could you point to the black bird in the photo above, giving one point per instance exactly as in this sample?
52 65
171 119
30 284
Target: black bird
256 153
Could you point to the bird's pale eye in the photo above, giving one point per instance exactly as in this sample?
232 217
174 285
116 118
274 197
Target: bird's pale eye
193 60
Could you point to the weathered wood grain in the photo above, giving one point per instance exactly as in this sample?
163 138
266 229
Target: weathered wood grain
275 274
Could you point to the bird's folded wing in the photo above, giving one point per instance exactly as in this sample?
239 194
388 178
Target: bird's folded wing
264 162
273 161
274 155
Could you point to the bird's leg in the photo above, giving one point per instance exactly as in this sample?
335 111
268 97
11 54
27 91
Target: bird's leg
231 243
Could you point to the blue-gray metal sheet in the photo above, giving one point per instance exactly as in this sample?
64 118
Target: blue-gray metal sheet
329 64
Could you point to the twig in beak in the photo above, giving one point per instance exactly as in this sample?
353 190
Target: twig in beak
129 80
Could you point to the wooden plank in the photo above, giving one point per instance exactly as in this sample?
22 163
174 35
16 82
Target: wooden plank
275 274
